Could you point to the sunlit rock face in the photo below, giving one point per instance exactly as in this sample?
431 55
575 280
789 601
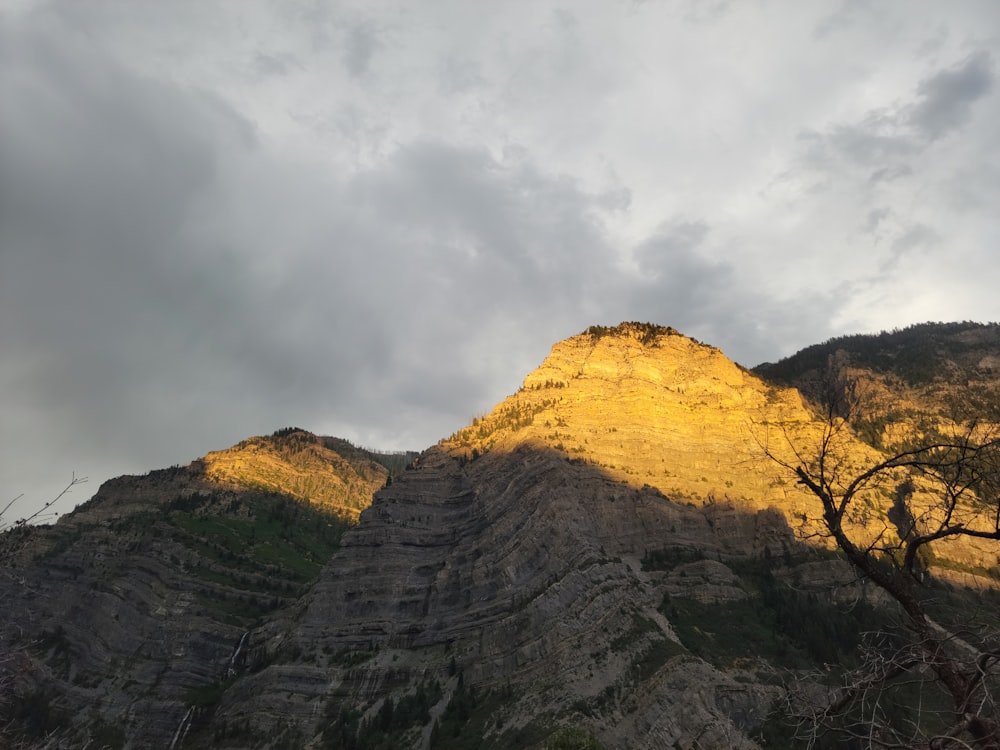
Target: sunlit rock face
650 406
326 472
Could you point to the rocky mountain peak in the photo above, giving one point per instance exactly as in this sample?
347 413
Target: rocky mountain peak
651 407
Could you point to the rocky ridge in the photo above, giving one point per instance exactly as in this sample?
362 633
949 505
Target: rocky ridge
329 473
916 379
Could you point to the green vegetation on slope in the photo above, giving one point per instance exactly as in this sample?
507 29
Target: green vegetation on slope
644 332
259 531
389 727
470 722
790 628
919 354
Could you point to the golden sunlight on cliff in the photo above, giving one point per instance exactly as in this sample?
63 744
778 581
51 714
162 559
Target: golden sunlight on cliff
652 407
301 466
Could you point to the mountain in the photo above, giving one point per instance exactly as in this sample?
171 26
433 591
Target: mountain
922 355
328 473
617 553
916 378
121 614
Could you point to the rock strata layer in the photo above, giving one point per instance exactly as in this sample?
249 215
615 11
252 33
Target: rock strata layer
520 569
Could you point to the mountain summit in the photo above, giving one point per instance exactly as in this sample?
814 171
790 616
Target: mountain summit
649 406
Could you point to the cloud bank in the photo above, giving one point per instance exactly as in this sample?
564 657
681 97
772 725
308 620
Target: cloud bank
373 220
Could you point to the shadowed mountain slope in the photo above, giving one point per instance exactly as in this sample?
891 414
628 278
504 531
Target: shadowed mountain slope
523 573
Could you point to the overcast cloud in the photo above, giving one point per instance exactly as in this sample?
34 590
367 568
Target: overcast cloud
372 220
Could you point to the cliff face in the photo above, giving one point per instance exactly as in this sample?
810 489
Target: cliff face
523 572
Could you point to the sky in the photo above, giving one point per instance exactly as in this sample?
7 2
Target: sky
373 219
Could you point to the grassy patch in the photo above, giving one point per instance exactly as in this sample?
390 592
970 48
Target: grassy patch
239 609
277 534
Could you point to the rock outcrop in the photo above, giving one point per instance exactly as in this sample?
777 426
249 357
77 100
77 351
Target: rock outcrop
651 406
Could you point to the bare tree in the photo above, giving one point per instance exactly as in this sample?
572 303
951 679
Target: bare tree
945 486
40 514
13 650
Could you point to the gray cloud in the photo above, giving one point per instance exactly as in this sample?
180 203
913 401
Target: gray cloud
705 11
714 301
888 174
885 140
873 141
848 14
267 65
292 298
945 99
204 236
911 239
673 242
360 44
915 236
